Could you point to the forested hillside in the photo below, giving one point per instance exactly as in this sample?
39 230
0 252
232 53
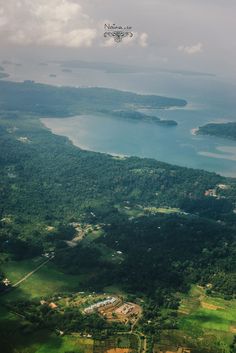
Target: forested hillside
225 130
94 222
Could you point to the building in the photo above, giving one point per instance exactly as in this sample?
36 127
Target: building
52 305
101 304
7 282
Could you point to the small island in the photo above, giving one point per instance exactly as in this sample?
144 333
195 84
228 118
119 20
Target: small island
135 115
4 75
66 70
225 130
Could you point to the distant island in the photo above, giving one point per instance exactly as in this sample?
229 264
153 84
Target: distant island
112 68
135 115
3 75
8 62
225 130
66 70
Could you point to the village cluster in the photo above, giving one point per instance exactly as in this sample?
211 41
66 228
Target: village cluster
214 192
114 309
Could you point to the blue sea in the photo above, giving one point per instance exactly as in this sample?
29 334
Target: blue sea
210 99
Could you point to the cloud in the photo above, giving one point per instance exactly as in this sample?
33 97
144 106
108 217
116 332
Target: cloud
143 39
192 49
46 22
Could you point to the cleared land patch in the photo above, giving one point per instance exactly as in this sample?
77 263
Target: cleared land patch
119 350
207 313
47 281
211 306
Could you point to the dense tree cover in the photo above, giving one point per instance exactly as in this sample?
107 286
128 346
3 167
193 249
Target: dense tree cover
46 181
168 252
208 206
40 99
46 184
60 176
154 320
135 115
69 319
227 130
233 346
224 282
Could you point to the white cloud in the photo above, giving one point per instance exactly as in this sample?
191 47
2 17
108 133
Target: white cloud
192 49
143 39
45 22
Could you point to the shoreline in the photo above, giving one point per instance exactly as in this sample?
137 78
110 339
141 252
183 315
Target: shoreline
122 156
83 147
194 131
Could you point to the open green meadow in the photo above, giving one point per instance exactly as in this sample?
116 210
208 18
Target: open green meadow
139 211
45 342
64 344
45 282
207 318
204 322
207 313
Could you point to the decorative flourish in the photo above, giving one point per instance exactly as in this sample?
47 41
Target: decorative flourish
117 32
118 35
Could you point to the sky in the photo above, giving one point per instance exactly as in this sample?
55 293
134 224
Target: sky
196 35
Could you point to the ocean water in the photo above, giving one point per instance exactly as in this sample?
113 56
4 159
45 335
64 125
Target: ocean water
210 99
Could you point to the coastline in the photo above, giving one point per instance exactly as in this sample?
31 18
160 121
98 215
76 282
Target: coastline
80 146
230 172
194 131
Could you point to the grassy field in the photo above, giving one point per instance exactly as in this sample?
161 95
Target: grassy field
208 318
64 344
138 211
165 210
207 312
133 211
92 236
125 343
206 324
204 321
47 281
76 344
45 342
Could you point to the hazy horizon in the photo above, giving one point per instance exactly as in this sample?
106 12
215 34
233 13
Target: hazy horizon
185 35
